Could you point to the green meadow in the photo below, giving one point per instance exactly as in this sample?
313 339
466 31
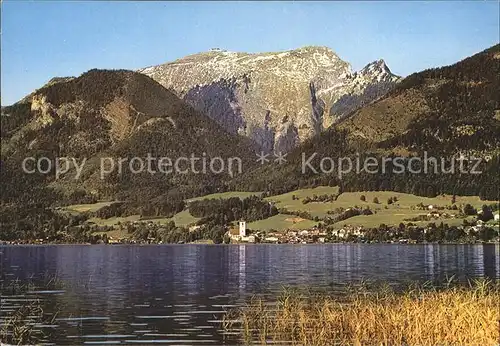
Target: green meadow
384 213
400 211
281 222
82 208
184 218
225 195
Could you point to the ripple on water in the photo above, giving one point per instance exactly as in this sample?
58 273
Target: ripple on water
162 317
224 305
19 300
167 335
220 296
200 312
87 318
105 336
170 341
45 325
47 292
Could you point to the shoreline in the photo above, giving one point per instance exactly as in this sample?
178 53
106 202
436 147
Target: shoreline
243 243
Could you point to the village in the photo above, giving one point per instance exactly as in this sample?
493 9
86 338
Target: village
241 234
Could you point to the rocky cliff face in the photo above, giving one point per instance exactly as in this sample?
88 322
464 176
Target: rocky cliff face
276 99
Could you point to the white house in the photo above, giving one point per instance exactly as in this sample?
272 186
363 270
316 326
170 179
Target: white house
497 217
249 239
271 239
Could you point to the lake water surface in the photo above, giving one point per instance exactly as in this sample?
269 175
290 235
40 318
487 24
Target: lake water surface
176 294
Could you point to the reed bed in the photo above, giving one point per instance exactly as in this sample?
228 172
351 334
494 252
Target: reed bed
455 315
18 326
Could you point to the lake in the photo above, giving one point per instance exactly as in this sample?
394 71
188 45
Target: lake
176 294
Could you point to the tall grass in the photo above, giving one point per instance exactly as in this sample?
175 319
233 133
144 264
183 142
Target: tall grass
456 315
19 326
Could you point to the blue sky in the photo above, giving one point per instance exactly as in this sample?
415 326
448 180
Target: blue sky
41 40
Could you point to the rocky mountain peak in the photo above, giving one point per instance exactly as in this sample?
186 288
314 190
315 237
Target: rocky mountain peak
311 50
278 99
378 70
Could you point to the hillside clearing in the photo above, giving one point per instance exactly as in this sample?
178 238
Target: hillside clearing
281 222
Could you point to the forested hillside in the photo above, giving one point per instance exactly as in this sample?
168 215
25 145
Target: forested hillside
111 115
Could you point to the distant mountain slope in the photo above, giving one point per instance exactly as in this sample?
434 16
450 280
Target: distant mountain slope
449 109
276 99
449 112
120 114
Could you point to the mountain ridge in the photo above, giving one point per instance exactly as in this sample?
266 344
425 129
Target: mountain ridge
277 99
115 114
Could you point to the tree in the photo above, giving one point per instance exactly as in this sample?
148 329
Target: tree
363 198
329 236
486 214
430 192
469 210
375 200
487 234
217 233
367 211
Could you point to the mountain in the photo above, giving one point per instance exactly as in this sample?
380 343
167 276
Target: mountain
448 112
276 99
452 109
109 115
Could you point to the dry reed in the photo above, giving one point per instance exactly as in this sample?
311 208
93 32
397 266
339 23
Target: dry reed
459 315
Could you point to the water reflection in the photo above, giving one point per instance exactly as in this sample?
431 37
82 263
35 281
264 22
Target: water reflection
141 294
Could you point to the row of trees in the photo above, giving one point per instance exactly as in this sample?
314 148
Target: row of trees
315 198
170 233
49 226
158 207
486 213
224 211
